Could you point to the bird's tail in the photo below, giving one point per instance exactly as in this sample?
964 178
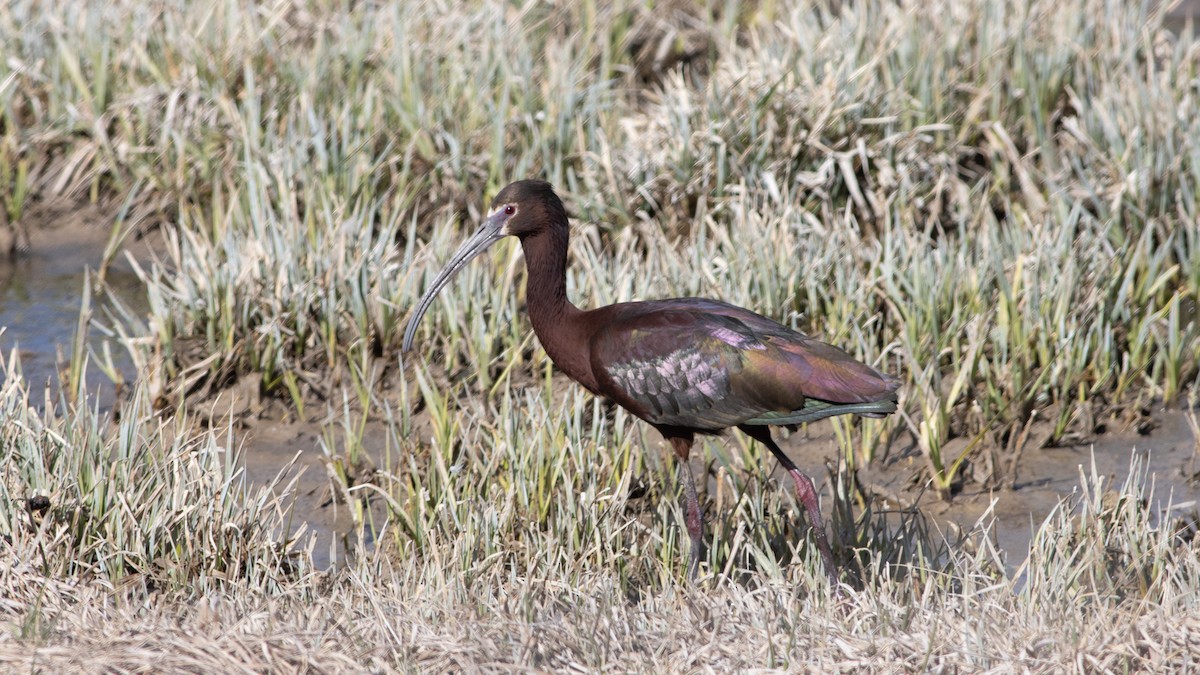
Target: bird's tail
814 410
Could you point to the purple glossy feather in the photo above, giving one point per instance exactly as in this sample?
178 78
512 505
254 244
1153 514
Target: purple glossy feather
709 365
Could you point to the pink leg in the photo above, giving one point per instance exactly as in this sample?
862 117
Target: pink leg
806 492
694 520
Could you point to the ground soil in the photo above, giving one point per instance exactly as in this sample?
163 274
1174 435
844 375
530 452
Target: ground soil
1045 477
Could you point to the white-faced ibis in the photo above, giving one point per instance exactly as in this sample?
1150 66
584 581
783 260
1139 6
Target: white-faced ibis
687 366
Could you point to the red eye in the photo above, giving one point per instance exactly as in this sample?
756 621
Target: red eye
509 210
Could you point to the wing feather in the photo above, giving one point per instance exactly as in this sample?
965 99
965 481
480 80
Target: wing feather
703 364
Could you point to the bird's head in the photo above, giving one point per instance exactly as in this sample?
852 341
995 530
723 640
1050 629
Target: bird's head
526 208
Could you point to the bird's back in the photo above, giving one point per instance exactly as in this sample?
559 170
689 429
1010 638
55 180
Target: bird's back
705 364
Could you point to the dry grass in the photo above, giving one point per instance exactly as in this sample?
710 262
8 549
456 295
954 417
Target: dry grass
1106 588
382 629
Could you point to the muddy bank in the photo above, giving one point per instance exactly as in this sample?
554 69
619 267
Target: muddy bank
323 513
1168 455
1045 476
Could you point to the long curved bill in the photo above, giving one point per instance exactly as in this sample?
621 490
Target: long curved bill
489 233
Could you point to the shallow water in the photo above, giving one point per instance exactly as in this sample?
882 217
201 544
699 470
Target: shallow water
40 298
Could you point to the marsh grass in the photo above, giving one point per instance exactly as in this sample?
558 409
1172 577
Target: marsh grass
142 501
526 559
950 190
994 201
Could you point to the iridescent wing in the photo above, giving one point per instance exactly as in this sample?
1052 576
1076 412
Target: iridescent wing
707 365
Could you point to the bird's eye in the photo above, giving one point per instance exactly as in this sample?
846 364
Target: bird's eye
509 210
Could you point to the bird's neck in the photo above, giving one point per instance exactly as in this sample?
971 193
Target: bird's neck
558 324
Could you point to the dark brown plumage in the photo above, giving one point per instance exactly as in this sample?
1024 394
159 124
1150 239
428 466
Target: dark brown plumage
687 366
